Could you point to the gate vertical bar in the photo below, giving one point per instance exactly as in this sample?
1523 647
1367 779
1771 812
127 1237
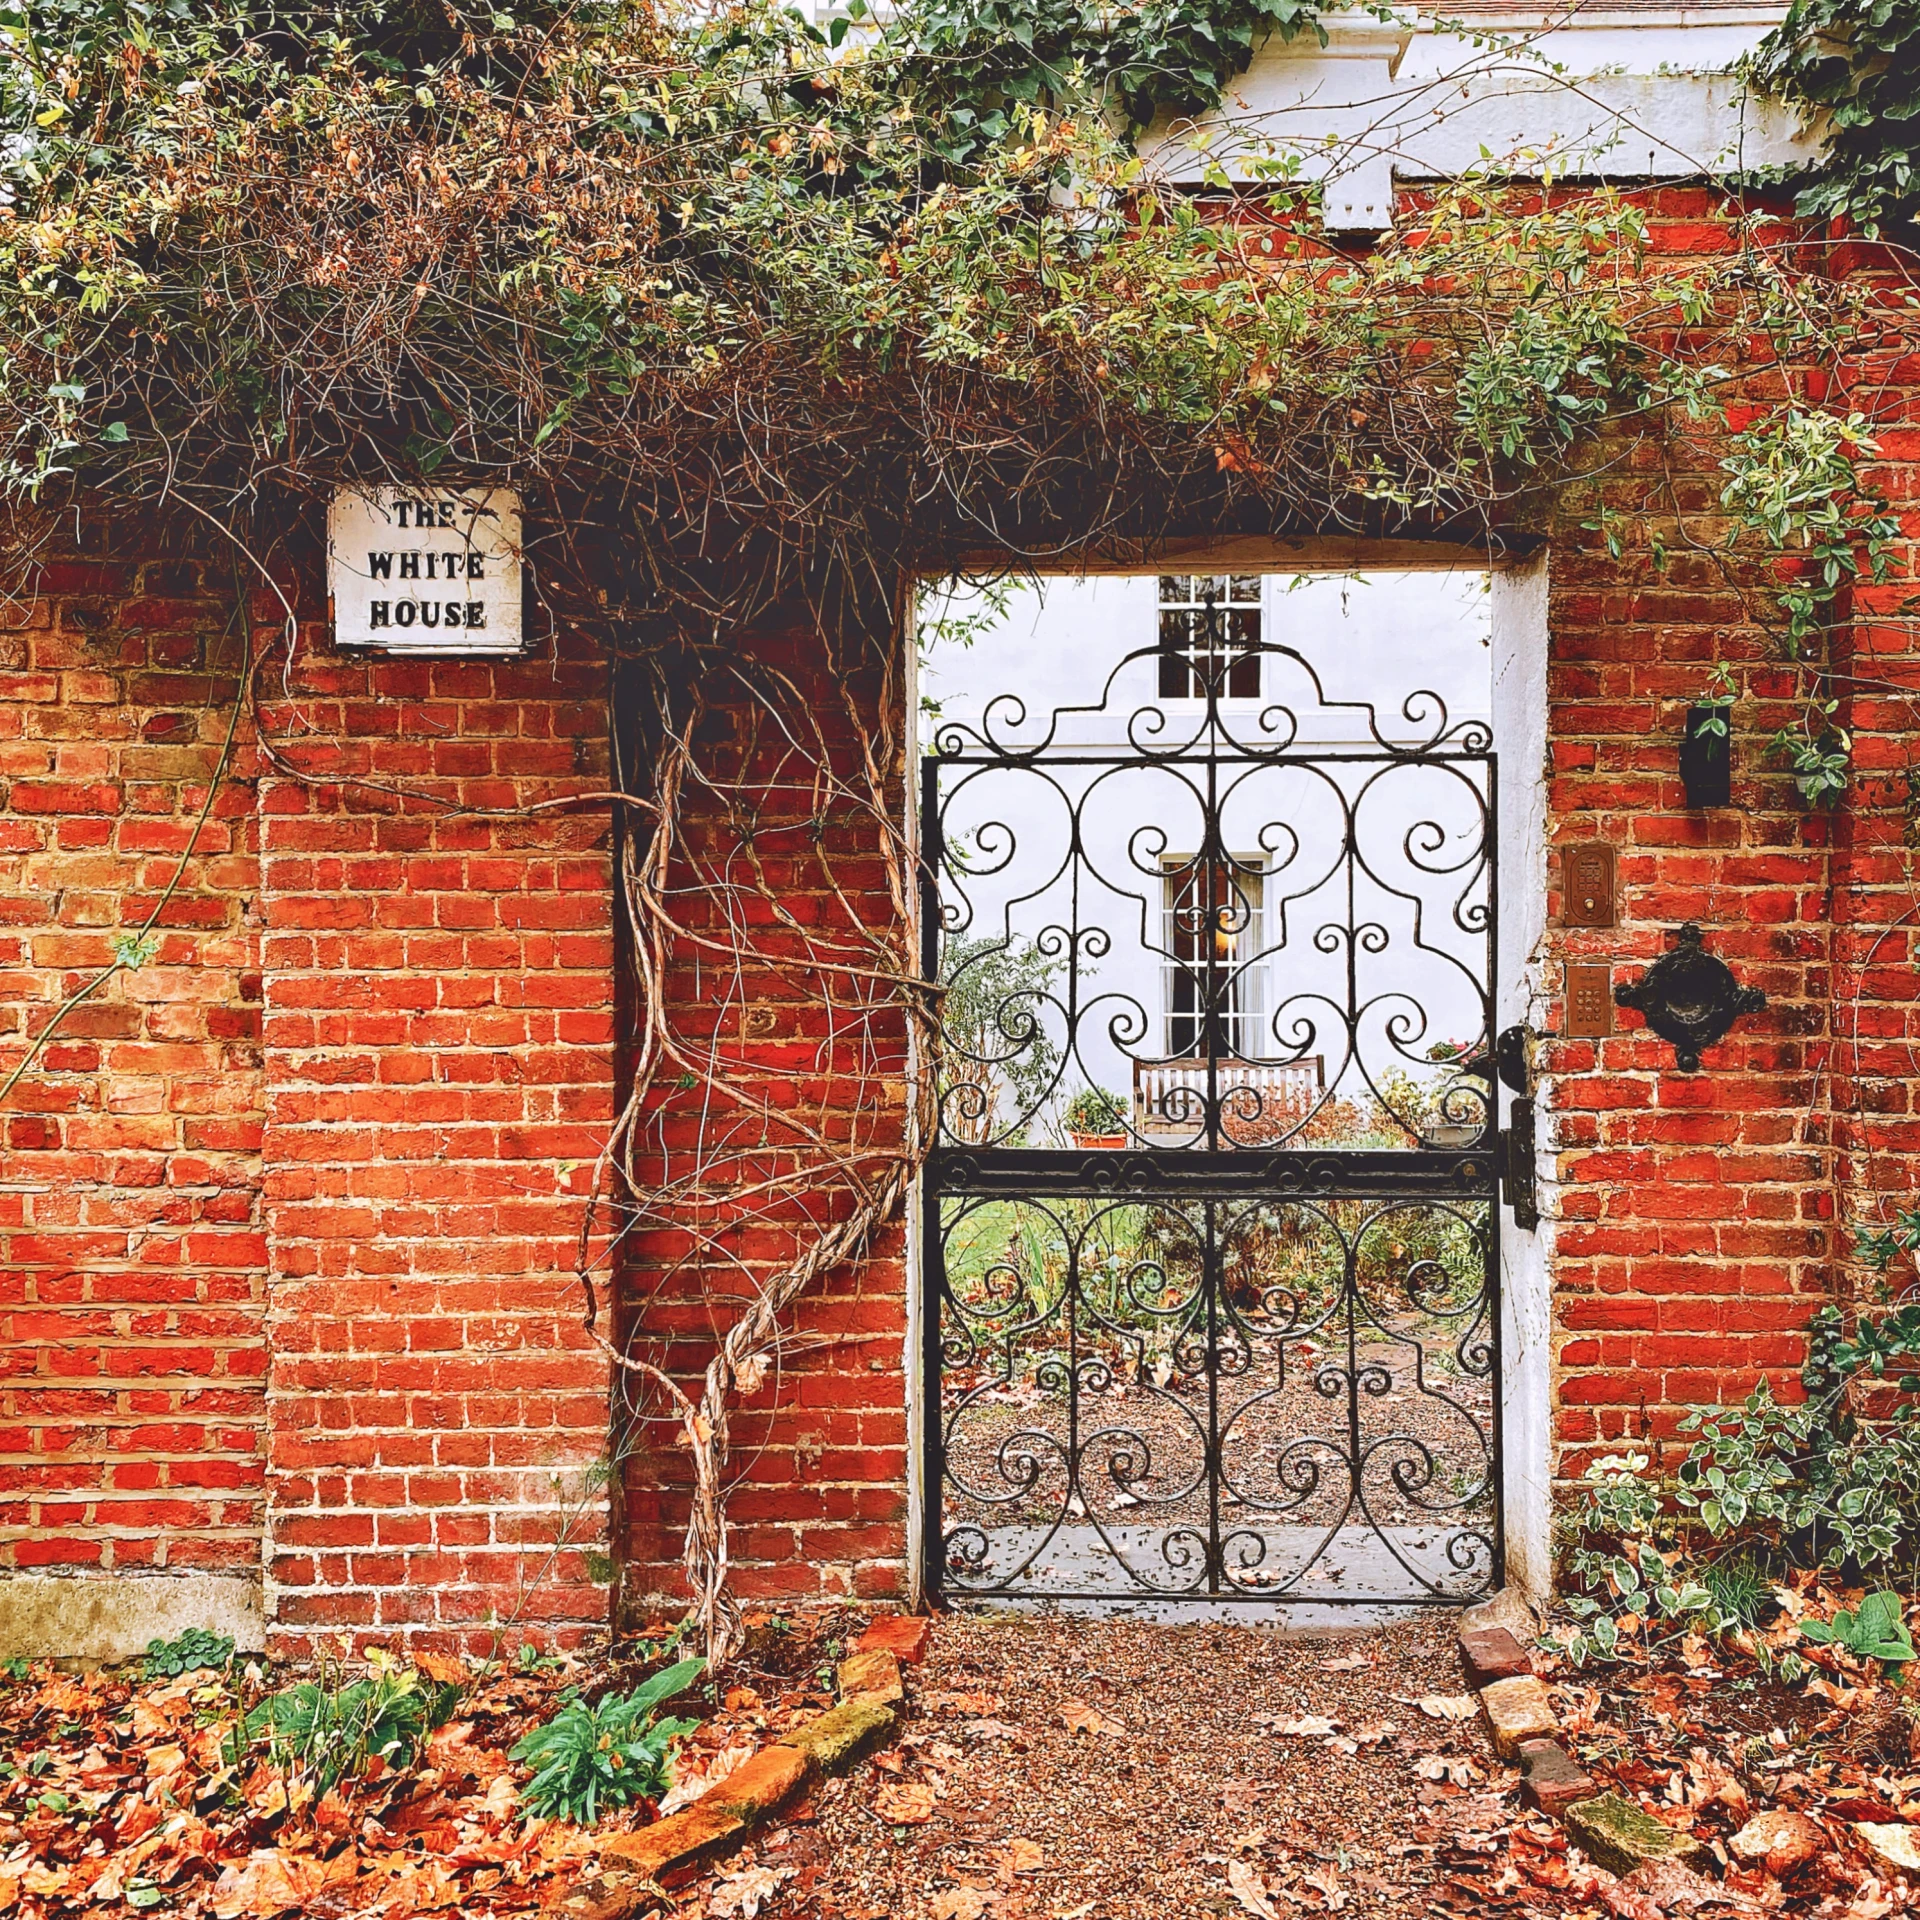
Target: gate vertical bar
933 1253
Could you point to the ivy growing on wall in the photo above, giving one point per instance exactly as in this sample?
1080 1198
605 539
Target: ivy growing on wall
1856 65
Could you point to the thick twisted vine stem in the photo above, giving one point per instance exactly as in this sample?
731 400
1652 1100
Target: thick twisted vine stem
714 1191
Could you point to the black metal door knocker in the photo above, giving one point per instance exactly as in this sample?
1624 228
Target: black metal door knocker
1690 996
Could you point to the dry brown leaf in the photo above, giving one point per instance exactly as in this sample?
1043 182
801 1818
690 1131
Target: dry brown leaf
1082 1717
746 1892
973 1705
422 1888
447 1668
905 1804
1336 1895
1346 1663
1307 1727
1893 1845
65 1696
1250 1890
692 1775
961 1903
1025 1856
270 1882
152 1717
1449 1706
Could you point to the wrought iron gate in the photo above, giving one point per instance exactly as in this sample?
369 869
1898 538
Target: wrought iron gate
1229 1328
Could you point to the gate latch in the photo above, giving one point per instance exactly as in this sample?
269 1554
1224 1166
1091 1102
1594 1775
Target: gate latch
1513 1059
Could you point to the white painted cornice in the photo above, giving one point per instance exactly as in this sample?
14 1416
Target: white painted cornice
1511 88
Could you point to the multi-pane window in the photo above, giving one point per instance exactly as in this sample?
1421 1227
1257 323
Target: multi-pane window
1212 932
1209 626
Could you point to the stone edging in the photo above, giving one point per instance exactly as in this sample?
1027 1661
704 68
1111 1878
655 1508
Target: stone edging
1608 1828
872 1695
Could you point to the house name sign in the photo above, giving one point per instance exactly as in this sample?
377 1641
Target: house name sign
425 569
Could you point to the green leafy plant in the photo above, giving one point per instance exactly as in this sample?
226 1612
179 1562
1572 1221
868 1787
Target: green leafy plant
588 1760
194 1649
1831 1481
1875 1630
1856 63
333 1728
1739 1589
1093 1110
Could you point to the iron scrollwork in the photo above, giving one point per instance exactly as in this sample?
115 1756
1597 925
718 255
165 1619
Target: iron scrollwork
1229 1331
1690 997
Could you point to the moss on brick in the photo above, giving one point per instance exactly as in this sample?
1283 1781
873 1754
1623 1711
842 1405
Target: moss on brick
839 1737
1619 1836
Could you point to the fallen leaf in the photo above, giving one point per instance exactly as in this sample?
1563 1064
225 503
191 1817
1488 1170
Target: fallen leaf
1024 1856
905 1805
66 1697
1325 1883
1307 1727
1250 1890
960 1903
447 1668
1449 1706
746 1892
151 1717
270 1882
1346 1663
1440 1766
1893 1846
1082 1718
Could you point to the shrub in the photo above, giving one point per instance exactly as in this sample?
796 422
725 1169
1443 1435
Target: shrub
332 1729
1831 1482
1095 1110
588 1760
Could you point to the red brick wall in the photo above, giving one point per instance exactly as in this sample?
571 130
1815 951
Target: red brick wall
1704 1216
132 1285
438 1075
1695 1214
438 1044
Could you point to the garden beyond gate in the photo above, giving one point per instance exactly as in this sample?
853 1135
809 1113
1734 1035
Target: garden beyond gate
1210 1265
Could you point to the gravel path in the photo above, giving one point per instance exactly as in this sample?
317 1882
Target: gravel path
1196 1763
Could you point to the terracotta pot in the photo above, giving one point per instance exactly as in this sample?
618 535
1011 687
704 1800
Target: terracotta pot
1097 1142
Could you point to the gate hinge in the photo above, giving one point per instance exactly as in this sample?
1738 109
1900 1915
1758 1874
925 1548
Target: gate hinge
1516 1166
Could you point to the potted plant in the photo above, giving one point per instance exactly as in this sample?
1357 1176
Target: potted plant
1094 1118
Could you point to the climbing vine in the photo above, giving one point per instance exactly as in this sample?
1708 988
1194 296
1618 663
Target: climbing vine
662 269
1856 65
